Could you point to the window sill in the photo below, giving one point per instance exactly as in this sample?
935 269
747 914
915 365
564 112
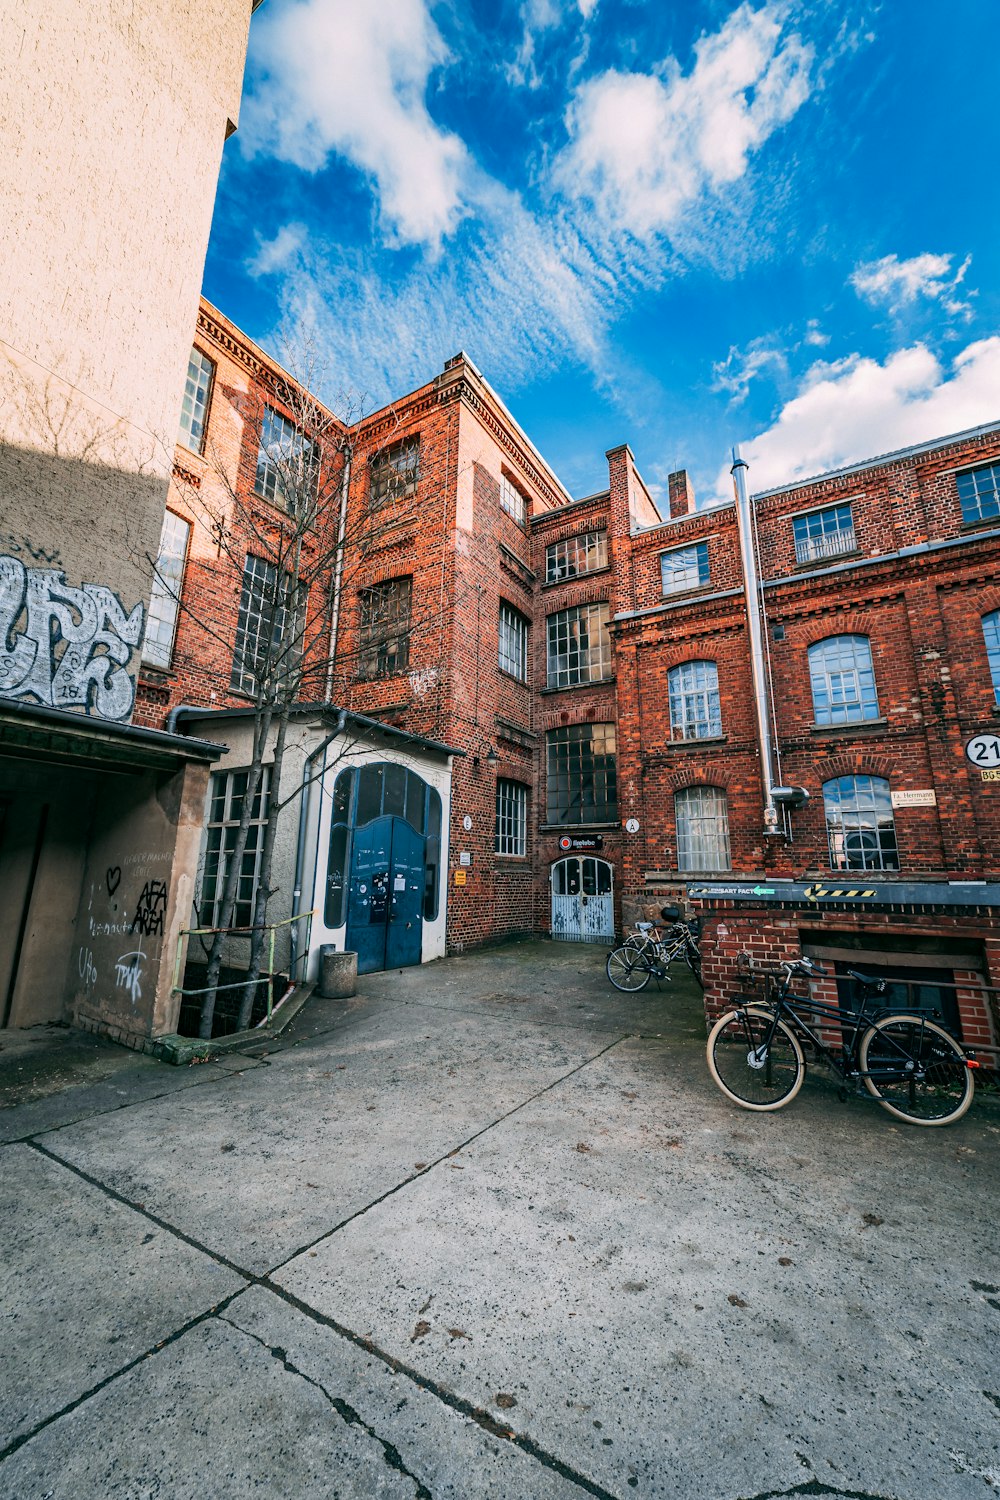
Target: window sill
981 523
515 859
830 559
574 687
691 593
556 583
513 677
693 744
850 728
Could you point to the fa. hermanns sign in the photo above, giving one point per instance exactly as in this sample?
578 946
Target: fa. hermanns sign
857 893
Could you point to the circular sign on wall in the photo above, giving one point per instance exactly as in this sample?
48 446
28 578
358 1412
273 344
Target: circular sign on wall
984 751
565 843
631 825
467 823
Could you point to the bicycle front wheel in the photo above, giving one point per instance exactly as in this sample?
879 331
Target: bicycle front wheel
627 969
752 1071
916 1070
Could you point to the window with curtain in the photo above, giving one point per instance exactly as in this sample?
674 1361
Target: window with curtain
695 711
843 680
860 829
702 819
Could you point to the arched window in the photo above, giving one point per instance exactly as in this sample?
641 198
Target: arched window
860 830
702 821
991 632
695 713
843 680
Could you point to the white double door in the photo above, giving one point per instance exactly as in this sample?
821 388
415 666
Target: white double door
583 900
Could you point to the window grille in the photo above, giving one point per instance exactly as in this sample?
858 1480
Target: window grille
287 463
979 493
512 501
581 782
991 633
268 641
684 568
579 645
695 709
576 555
860 829
512 818
513 649
194 406
385 628
228 794
843 680
164 599
394 473
702 820
824 533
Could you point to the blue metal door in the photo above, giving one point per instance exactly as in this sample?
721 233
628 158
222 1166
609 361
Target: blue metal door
384 917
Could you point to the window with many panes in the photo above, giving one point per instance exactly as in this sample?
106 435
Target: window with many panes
581 775
575 555
385 628
991 634
394 473
823 533
164 599
512 818
702 820
268 642
228 795
578 645
843 680
194 407
695 711
512 501
287 463
860 830
979 493
513 651
684 568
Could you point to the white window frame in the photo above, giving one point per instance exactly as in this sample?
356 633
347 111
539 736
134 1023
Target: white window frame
512 818
512 501
575 555
991 635
701 820
684 568
165 595
695 705
824 533
221 824
578 645
842 680
860 827
196 401
512 649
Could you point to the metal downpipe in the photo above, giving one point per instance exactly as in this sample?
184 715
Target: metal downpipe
751 590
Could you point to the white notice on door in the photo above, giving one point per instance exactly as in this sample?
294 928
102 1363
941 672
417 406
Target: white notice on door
399 884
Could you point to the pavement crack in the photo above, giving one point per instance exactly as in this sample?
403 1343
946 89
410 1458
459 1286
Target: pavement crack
820 1488
343 1409
398 1187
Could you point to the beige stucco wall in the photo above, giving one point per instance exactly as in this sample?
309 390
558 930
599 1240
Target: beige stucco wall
115 115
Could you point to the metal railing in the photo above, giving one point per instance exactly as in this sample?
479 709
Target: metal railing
265 977
830 544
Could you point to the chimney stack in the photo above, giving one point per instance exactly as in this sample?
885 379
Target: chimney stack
681 494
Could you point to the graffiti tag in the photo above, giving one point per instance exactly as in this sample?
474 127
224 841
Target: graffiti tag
87 967
65 647
150 909
128 973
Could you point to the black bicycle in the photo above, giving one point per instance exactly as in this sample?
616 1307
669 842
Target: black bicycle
911 1065
651 949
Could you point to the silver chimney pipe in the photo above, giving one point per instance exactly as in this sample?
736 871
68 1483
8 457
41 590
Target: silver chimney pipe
751 588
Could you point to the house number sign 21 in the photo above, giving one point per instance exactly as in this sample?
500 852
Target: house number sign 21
984 751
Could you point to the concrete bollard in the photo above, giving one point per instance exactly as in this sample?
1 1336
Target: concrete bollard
338 973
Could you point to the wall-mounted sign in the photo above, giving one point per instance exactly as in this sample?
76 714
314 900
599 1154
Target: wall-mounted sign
839 890
990 775
467 823
465 858
631 825
912 797
573 842
984 751
460 877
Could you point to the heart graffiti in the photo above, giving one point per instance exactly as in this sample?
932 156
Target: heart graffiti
114 878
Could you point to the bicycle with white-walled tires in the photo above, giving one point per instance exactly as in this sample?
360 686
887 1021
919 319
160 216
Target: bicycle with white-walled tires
908 1063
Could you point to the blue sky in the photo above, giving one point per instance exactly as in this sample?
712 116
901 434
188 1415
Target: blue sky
680 225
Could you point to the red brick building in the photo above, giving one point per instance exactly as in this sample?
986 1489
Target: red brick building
593 662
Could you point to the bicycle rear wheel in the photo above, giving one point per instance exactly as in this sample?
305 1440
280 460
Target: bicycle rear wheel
916 1070
751 1071
627 969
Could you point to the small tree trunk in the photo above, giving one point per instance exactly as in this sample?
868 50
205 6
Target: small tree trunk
263 893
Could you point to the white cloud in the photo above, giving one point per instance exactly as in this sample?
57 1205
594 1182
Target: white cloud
538 16
279 253
897 284
856 408
644 146
350 77
741 367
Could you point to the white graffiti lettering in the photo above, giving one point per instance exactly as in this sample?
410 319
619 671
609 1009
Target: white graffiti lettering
87 967
128 973
73 643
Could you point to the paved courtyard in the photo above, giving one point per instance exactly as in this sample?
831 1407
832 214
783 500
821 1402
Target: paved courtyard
487 1230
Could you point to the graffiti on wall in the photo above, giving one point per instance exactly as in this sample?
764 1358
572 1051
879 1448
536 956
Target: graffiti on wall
65 647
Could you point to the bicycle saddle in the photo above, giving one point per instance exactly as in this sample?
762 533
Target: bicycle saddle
644 926
868 980
670 913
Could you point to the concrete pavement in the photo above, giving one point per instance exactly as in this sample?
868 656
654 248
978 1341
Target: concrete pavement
488 1230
